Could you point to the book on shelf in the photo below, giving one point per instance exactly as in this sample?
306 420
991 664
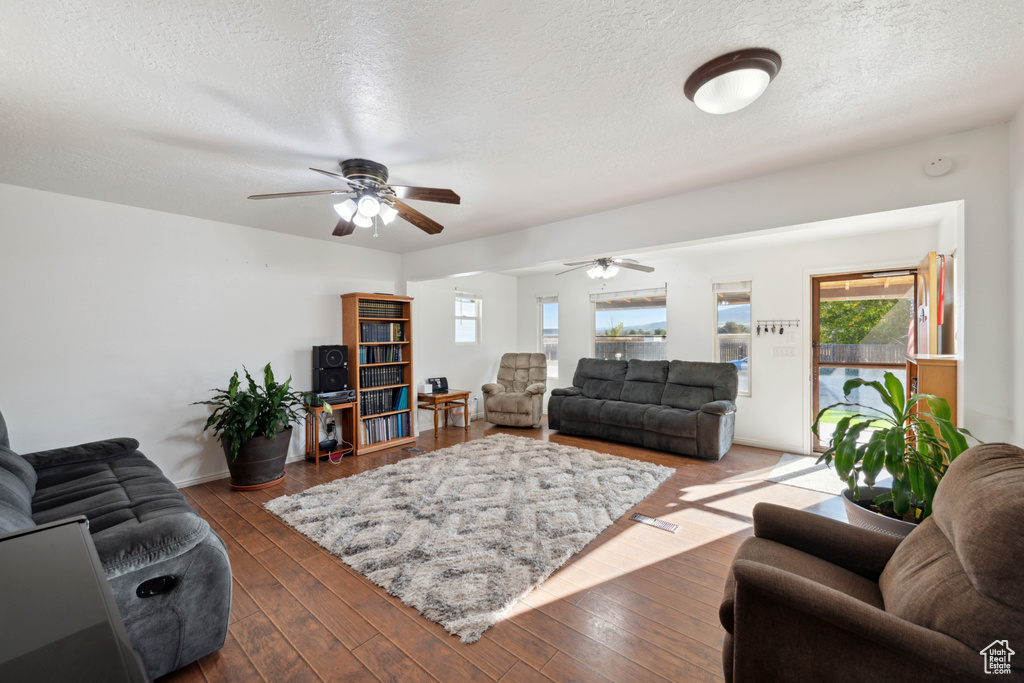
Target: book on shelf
377 429
381 332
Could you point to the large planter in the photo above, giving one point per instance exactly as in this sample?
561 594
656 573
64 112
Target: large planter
867 519
260 461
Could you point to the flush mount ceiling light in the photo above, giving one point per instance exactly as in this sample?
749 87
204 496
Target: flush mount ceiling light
731 82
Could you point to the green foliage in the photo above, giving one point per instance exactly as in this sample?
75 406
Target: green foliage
915 446
615 331
733 327
241 414
869 321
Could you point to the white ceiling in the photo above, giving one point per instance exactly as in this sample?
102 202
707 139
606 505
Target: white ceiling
533 112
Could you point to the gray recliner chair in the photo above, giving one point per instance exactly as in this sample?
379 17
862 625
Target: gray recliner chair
517 399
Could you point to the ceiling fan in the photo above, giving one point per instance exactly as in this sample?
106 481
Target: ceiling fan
606 267
369 197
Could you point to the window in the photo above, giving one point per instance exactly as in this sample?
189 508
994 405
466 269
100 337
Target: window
630 325
467 318
547 311
732 328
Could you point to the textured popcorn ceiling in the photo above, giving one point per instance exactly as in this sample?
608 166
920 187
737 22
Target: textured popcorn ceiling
531 111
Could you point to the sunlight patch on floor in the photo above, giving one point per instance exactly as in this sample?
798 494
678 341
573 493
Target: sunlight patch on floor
733 483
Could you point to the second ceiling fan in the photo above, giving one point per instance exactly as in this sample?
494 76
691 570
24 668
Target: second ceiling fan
606 267
369 197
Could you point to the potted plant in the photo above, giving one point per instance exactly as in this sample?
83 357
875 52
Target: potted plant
254 427
914 445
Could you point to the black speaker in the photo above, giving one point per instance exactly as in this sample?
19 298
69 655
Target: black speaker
328 380
330 368
333 356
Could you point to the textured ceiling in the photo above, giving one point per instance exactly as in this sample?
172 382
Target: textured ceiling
533 112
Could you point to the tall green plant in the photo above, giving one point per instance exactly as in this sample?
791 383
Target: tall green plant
241 414
915 446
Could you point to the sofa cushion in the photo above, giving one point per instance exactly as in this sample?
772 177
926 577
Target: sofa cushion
671 421
582 409
691 384
959 571
624 413
600 379
686 397
109 492
645 381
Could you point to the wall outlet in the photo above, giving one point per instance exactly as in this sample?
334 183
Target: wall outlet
784 352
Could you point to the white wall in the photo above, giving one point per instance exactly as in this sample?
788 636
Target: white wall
1016 146
467 366
874 182
116 318
777 414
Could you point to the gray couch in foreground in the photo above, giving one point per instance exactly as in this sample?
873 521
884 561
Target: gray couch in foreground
678 406
142 529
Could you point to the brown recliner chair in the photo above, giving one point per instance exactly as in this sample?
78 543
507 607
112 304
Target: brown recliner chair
813 599
517 400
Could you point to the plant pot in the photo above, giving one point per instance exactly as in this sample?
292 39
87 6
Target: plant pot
260 461
868 519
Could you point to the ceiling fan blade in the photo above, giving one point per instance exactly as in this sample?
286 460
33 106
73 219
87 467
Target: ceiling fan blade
427 225
580 263
624 260
295 194
426 194
353 183
572 269
636 266
343 228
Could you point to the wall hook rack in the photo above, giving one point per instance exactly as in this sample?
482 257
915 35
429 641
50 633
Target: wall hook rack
775 326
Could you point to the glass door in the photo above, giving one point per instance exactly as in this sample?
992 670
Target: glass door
863 326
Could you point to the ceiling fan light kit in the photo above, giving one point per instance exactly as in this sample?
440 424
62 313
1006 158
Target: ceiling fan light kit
733 81
606 272
370 198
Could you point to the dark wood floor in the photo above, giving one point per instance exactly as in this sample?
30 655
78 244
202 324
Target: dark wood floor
637 604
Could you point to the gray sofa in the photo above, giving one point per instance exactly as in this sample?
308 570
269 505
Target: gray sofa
142 529
678 406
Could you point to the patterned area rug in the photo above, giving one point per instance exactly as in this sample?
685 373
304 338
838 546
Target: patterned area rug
802 472
463 533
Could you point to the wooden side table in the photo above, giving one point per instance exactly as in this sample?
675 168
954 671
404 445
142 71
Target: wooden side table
344 424
446 402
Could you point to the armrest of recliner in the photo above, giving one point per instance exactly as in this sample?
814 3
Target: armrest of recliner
719 407
787 627
82 453
538 388
566 391
862 551
127 547
492 388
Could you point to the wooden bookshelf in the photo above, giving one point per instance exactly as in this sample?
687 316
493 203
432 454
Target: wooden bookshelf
378 331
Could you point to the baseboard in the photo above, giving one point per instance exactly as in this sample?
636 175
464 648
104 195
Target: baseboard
427 425
202 480
770 445
225 474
